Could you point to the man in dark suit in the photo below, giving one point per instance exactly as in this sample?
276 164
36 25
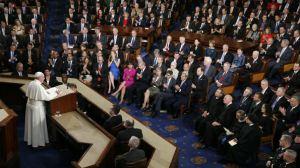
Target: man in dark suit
268 50
255 107
252 65
100 74
140 21
226 119
239 31
200 85
226 56
181 96
182 48
209 69
245 101
85 38
266 91
142 79
166 93
80 27
247 143
115 118
19 71
277 159
283 57
211 112
187 24
295 43
12 57
292 79
6 17
21 17
193 64
133 155
202 27
34 25
50 80
167 47
224 78
288 116
133 42
55 63
100 37
68 38
30 58
70 67
69 25
33 38
35 16
125 135
115 39
278 100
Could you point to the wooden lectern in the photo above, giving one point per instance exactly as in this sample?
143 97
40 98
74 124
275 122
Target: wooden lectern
9 154
65 102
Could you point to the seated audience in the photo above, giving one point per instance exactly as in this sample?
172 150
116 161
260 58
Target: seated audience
115 118
133 155
19 71
129 131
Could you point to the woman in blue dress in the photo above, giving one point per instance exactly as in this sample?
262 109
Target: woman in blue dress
114 72
211 51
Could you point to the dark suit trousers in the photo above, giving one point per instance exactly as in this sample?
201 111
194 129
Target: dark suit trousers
212 89
273 68
137 89
173 104
211 134
159 99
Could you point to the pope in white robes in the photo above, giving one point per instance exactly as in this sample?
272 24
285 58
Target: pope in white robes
36 133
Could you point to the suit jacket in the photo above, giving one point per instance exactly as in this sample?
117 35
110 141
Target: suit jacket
248 143
131 156
201 86
245 104
136 44
185 89
100 75
267 96
255 109
72 27
10 19
282 102
78 27
185 48
191 26
125 135
286 56
196 50
35 41
205 27
146 76
39 18
140 22
295 44
210 73
80 39
163 45
71 71
25 57
294 82
57 68
256 66
112 122
52 82
239 33
16 54
227 116
227 58
171 85
16 74
292 115
71 39
270 52
119 41
225 79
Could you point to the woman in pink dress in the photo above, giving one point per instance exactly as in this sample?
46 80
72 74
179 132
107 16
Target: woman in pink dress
128 80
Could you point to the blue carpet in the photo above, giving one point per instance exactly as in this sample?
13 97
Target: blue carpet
181 132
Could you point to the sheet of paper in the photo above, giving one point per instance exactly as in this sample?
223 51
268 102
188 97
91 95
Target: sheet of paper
232 142
52 91
228 132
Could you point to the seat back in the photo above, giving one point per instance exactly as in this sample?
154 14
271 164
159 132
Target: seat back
230 89
269 138
137 164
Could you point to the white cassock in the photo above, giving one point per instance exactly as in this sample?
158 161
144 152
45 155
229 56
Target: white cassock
36 133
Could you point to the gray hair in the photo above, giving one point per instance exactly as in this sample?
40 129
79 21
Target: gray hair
291 153
134 142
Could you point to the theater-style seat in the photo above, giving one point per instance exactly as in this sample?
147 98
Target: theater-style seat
230 89
259 76
269 138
